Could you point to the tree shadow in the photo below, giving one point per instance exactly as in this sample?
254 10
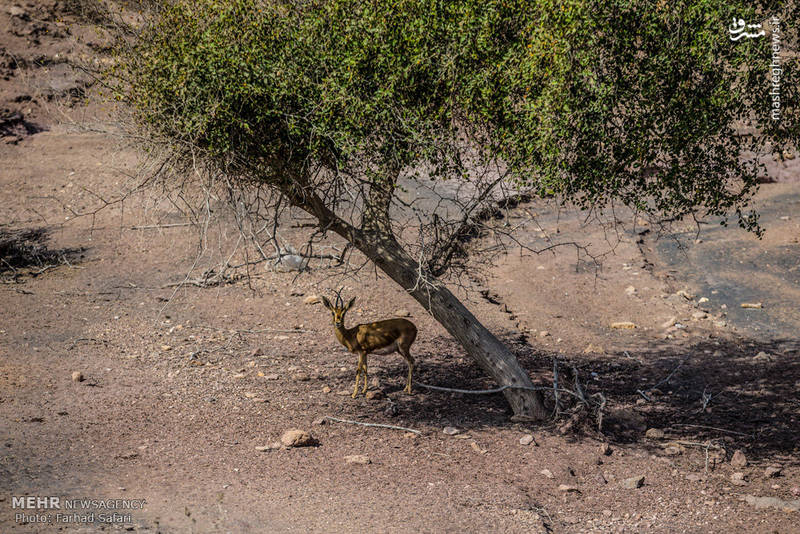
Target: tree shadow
736 393
25 252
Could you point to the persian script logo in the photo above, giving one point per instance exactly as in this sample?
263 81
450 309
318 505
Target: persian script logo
737 30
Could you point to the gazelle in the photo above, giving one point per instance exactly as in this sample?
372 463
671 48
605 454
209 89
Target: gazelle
381 337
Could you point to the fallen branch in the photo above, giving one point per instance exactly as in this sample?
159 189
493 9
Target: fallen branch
379 425
644 393
159 226
714 428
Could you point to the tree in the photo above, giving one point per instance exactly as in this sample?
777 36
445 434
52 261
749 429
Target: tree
335 105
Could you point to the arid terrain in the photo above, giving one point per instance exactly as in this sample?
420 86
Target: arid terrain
117 381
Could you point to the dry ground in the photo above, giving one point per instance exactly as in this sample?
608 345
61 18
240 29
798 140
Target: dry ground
182 386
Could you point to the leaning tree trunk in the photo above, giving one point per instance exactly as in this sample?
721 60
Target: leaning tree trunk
377 242
479 343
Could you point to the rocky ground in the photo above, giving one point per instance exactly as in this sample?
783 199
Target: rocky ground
117 383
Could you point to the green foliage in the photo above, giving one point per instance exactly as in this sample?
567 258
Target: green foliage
592 100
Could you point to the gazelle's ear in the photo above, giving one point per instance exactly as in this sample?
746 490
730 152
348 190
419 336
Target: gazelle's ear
350 304
326 302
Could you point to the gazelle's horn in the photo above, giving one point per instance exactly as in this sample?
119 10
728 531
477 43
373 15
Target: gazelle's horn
339 301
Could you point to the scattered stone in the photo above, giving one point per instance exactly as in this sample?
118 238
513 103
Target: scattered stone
271 447
477 448
544 333
567 489
654 433
764 357
737 479
239 375
547 473
260 399
77 376
685 294
795 490
256 353
772 472
319 421
359 459
326 389
694 477
787 154
752 305
301 377
16 11
297 438
607 513
605 449
773 502
721 324
673 449
249 394
738 459
374 394
630 291
699 315
527 439
669 322
450 430
702 300
312 299
402 312
633 482
271 376
166 348
593 349
625 325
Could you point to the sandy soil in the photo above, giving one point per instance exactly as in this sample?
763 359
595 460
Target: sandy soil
181 387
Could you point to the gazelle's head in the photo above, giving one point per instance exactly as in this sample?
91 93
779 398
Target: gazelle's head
338 310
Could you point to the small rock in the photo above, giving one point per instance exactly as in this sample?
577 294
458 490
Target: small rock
239 375
477 448
326 389
359 459
625 325
297 438
633 482
654 433
450 430
673 450
260 399
16 11
319 421
773 502
593 349
630 291
752 305
270 447
402 312
702 300
301 377
764 357
721 324
249 394
567 489
77 376
787 154
271 376
527 439
685 294
312 299
544 333
694 477
547 473
795 490
738 459
699 315
605 449
374 394
166 348
607 513
772 472
669 322
737 479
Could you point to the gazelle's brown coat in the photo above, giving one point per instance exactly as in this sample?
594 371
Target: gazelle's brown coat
380 337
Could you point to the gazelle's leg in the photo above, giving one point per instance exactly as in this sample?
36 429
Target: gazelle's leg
410 360
364 369
361 365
